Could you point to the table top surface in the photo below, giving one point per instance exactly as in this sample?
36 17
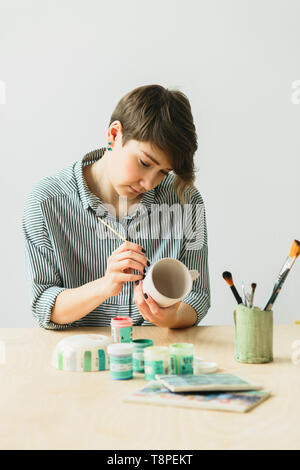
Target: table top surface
45 408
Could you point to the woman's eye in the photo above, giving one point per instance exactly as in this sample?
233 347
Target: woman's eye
144 164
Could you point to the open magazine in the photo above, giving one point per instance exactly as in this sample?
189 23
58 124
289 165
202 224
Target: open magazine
155 393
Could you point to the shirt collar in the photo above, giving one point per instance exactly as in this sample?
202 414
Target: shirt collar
89 199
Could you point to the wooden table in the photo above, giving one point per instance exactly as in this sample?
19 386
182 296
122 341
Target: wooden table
44 408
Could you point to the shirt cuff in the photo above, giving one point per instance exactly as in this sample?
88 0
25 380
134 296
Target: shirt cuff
43 307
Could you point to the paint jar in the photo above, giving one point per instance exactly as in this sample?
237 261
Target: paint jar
138 353
120 361
181 358
121 329
156 361
253 334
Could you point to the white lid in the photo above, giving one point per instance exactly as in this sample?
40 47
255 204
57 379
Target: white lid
120 349
203 367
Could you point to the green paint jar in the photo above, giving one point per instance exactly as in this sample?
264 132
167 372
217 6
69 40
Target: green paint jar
181 358
156 361
120 361
253 335
138 353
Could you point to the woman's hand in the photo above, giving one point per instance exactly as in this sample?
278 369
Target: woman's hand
151 311
120 267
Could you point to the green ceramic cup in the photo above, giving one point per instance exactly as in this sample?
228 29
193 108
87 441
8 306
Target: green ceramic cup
253 335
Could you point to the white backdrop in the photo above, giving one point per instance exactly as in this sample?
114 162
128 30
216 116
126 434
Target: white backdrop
65 64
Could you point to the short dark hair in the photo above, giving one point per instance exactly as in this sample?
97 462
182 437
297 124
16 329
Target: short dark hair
163 118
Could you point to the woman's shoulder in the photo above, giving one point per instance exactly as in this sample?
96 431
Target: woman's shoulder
57 184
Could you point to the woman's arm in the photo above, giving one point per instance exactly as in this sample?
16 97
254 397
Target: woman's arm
73 304
185 316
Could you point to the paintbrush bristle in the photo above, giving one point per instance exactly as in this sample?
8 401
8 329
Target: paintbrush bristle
228 278
295 249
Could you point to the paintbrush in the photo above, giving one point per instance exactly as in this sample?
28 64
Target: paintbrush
119 235
244 294
253 286
228 278
110 228
287 266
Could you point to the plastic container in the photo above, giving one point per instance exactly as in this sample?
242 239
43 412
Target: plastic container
253 335
181 358
121 329
120 360
204 367
138 353
81 353
156 361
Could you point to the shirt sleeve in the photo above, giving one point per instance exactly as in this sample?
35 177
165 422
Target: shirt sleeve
40 264
194 254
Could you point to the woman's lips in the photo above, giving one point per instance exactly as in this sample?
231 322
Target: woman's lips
134 190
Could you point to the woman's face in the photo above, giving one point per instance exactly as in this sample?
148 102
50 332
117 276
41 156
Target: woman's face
136 166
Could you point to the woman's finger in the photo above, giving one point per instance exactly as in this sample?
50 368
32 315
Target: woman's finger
140 301
135 256
129 246
153 306
128 264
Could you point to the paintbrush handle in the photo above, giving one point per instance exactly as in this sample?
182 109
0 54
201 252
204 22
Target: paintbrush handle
236 294
276 290
118 234
110 228
244 294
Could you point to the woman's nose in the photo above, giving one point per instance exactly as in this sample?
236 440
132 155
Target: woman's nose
148 183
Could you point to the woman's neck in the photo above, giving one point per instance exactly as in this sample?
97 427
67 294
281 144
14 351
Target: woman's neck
96 177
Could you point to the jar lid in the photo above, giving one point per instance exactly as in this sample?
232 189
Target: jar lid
156 351
121 321
182 348
142 343
120 349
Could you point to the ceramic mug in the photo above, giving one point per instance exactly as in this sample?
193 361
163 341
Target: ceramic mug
168 281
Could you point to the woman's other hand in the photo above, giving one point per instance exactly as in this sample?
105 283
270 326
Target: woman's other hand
151 311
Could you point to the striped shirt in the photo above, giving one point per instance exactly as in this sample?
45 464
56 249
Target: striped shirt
66 246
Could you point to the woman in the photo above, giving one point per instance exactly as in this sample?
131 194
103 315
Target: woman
81 273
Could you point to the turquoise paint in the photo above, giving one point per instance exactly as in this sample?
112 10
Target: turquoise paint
138 353
121 367
152 368
101 359
125 334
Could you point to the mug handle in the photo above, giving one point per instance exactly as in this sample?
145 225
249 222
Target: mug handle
194 274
